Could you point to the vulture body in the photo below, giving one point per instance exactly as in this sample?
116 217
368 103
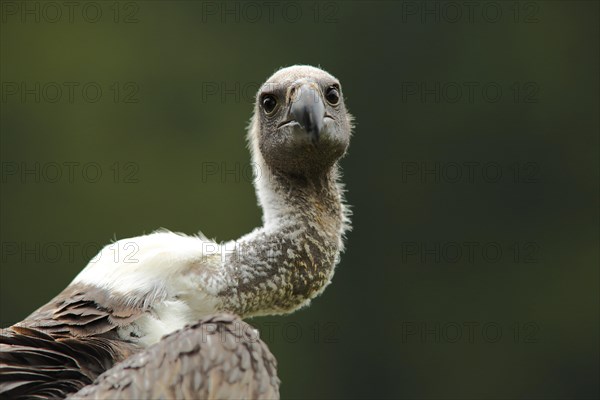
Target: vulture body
137 290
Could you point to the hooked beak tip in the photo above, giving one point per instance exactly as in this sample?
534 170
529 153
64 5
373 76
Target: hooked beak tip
308 110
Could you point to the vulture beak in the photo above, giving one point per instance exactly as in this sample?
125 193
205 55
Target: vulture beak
308 110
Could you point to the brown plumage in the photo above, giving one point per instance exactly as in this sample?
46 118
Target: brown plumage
83 311
34 364
220 357
64 345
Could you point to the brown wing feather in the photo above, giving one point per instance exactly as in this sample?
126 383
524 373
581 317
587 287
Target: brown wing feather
64 345
82 311
35 364
218 357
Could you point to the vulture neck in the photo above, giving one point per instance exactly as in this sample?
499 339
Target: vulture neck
172 279
281 266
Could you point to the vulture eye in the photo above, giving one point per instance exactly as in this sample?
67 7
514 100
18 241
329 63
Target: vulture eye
333 95
269 103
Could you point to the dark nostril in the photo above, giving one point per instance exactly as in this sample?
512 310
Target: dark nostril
292 92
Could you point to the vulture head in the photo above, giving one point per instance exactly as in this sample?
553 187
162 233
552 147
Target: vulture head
300 126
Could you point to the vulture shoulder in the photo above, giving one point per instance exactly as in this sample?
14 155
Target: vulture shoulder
219 357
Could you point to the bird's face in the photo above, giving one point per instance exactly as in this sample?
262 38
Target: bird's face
301 125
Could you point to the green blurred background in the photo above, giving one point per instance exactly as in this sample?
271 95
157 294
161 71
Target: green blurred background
406 316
